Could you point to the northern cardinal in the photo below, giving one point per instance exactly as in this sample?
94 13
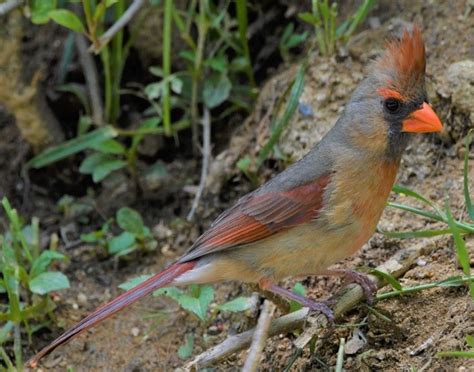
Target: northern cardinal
318 211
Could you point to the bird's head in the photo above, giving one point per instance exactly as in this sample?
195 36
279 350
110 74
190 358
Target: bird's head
392 99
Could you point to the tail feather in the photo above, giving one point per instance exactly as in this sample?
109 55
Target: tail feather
155 282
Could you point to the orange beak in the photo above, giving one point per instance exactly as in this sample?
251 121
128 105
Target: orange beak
423 120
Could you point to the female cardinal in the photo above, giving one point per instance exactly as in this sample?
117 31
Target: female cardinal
321 209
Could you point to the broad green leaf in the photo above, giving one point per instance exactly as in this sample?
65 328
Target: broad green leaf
236 305
110 146
71 147
216 90
176 85
91 237
67 19
42 263
154 90
40 10
104 168
388 278
186 350
218 63
48 282
121 242
198 305
130 220
157 71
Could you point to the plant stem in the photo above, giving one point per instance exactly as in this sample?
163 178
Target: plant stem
243 23
196 76
117 62
168 14
17 347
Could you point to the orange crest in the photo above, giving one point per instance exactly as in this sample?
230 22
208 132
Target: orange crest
405 58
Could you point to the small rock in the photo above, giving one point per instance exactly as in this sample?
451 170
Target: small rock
421 262
135 331
75 306
82 299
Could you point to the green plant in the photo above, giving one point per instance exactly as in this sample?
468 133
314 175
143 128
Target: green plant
112 54
27 280
460 354
323 18
290 39
195 299
134 235
457 228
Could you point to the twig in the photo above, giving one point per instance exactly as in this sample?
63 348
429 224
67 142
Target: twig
117 26
10 5
259 337
206 153
340 355
347 300
92 80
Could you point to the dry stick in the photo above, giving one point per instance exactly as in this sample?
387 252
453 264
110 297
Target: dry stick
10 5
206 154
259 337
117 26
346 300
92 80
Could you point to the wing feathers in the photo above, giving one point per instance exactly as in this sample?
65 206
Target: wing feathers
258 216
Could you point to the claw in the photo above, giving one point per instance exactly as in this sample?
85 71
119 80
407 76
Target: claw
368 286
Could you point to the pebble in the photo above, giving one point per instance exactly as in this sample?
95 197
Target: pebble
135 331
82 299
421 262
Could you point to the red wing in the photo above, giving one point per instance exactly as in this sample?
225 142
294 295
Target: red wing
257 217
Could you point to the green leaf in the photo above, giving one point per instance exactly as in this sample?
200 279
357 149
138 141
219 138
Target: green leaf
110 146
104 168
218 63
470 340
71 147
90 163
176 85
388 278
299 289
6 332
157 71
121 242
296 39
132 283
40 10
130 220
309 18
415 234
41 264
186 350
236 305
67 19
467 195
406 191
455 354
460 245
48 282
154 90
216 90
200 303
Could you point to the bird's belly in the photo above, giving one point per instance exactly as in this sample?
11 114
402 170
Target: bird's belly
303 250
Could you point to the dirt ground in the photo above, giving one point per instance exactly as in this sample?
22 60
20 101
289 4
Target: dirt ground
146 336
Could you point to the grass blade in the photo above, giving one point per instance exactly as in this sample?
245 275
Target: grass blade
388 278
455 354
415 234
243 23
460 245
282 122
408 192
168 14
71 147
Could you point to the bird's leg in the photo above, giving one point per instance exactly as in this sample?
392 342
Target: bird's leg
321 307
351 276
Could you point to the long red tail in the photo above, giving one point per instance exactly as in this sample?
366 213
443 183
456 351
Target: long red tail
155 282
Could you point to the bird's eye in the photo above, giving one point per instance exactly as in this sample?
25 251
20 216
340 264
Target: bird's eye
392 105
